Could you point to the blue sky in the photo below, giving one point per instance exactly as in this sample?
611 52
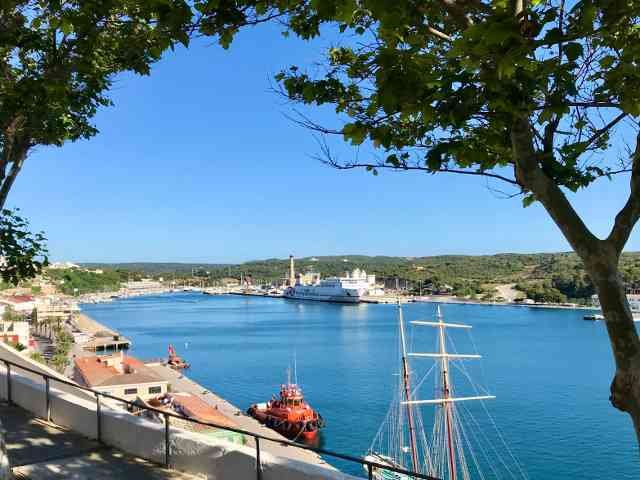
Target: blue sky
198 163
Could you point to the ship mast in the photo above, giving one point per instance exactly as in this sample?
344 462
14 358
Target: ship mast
445 395
407 393
446 400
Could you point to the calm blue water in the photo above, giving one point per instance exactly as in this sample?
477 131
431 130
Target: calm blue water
549 369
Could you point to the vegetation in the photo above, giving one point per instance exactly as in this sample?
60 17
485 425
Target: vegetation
64 342
38 357
74 281
532 94
23 254
544 277
543 97
10 315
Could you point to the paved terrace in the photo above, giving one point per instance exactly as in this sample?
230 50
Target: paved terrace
41 450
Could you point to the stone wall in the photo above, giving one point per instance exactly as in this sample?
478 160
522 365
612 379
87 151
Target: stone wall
190 452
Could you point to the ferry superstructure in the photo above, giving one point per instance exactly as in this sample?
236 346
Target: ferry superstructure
347 289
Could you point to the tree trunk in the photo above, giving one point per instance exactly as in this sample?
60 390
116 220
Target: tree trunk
600 258
625 344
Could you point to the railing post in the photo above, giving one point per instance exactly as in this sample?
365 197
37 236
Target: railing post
9 399
258 465
167 445
98 419
47 398
370 471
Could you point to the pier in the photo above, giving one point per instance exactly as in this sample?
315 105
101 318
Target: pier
104 339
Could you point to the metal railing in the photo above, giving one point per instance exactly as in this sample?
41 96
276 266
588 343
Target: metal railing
370 466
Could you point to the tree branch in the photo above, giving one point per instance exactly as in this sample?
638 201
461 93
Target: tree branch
530 176
374 166
629 214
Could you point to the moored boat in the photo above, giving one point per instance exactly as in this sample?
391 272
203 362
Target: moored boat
174 361
289 415
460 446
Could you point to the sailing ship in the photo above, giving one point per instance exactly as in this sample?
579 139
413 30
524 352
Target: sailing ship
401 443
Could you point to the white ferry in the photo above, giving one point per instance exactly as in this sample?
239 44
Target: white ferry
348 289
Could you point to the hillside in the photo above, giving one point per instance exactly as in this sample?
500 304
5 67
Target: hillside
554 277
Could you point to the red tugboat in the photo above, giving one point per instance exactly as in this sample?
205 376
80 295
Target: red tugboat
289 415
174 361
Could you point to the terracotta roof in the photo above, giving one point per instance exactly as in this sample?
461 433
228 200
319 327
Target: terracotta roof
197 408
17 299
96 371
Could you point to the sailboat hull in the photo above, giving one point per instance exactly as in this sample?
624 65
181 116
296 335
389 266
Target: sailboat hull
382 473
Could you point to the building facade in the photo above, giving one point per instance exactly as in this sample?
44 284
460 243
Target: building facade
119 375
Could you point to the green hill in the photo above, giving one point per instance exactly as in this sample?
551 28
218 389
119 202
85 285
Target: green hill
554 277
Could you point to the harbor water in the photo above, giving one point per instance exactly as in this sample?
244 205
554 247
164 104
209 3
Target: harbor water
549 369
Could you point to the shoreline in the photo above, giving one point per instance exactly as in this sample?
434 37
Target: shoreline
180 382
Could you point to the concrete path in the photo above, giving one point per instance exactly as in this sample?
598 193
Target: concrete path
180 383
38 450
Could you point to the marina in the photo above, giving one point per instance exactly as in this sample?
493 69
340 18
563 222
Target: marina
346 356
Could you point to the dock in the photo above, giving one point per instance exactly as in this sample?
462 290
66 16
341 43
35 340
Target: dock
180 383
104 338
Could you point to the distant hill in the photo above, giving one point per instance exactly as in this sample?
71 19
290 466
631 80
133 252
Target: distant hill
542 276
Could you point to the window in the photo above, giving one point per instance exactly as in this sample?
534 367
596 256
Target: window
130 391
155 389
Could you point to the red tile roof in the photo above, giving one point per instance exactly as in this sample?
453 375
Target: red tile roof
17 298
97 373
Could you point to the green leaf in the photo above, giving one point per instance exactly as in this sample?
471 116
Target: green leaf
527 200
355 133
573 51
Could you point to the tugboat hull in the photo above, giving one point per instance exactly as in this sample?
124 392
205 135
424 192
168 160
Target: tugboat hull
293 430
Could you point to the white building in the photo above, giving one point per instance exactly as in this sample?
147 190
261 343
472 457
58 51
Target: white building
20 303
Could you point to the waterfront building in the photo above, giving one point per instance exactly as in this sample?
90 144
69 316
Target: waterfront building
119 375
144 286
20 303
633 297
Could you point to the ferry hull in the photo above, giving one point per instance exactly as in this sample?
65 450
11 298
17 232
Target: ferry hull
322 298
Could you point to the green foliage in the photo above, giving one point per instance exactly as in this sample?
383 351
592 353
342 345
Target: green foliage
18 346
64 342
73 281
440 85
59 58
10 315
23 253
38 357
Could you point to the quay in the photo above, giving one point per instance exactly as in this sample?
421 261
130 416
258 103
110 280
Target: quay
181 383
103 338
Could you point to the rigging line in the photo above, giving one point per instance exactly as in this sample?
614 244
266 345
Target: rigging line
489 442
415 390
467 433
479 441
504 443
478 389
459 445
483 376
